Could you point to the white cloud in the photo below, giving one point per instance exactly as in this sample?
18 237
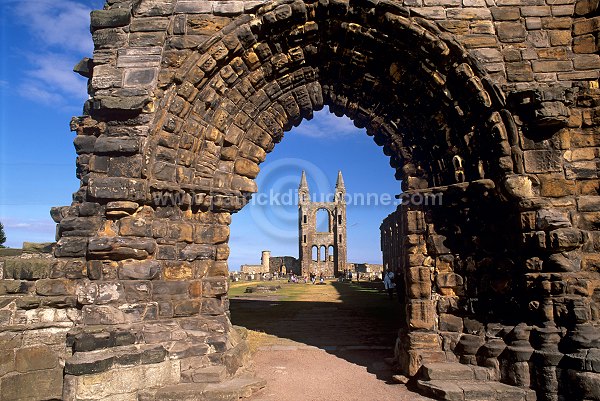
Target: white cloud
63 24
50 80
326 125
32 224
61 37
35 91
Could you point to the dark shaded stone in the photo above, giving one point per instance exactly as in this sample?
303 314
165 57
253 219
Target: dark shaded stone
119 248
186 308
450 323
55 287
110 18
193 252
116 145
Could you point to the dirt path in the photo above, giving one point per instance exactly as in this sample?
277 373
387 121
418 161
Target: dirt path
303 374
322 342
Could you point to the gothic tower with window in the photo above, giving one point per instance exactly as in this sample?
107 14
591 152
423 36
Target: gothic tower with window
322 249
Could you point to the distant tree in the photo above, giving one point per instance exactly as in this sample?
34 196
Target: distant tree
2 236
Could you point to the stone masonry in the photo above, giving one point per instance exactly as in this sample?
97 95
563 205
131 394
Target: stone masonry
322 252
492 103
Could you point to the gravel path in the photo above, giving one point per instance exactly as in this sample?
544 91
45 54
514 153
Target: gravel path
327 343
312 374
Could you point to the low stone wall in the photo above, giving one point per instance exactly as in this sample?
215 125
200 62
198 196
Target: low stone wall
66 336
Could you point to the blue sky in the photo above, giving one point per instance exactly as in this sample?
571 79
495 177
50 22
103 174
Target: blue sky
40 42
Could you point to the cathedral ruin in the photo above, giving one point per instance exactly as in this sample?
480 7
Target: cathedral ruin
495 104
322 252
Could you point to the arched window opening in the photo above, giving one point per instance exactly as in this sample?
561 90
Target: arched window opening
323 221
322 253
315 253
331 253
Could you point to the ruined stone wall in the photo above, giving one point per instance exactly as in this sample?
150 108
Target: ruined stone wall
292 264
479 291
331 245
187 97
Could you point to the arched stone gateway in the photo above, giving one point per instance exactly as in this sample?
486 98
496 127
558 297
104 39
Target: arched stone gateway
491 106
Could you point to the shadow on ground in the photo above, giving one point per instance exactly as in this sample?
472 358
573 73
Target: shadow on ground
360 326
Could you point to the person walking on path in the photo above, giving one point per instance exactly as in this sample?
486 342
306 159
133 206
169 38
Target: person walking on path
399 281
388 283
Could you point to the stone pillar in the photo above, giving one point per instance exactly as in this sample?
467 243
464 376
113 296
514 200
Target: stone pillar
514 364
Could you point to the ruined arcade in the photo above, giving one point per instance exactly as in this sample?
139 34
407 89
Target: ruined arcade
492 103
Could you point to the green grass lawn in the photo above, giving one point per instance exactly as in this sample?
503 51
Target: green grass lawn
330 314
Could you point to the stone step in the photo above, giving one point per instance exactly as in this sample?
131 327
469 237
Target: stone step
453 371
83 363
234 389
209 374
230 390
473 390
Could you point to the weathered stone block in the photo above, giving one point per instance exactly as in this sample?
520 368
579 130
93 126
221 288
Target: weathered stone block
80 226
127 380
581 170
555 185
117 188
188 307
139 270
566 238
542 161
552 66
192 252
550 219
178 271
212 306
585 44
35 358
110 18
450 323
448 280
117 145
149 24
128 103
166 290
588 203
119 248
50 287
505 13
36 385
519 72
215 286
511 32
421 314
146 39
102 314
28 269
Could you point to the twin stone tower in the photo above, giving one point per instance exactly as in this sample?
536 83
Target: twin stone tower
322 252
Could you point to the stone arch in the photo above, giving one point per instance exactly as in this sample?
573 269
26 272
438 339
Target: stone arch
421 96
